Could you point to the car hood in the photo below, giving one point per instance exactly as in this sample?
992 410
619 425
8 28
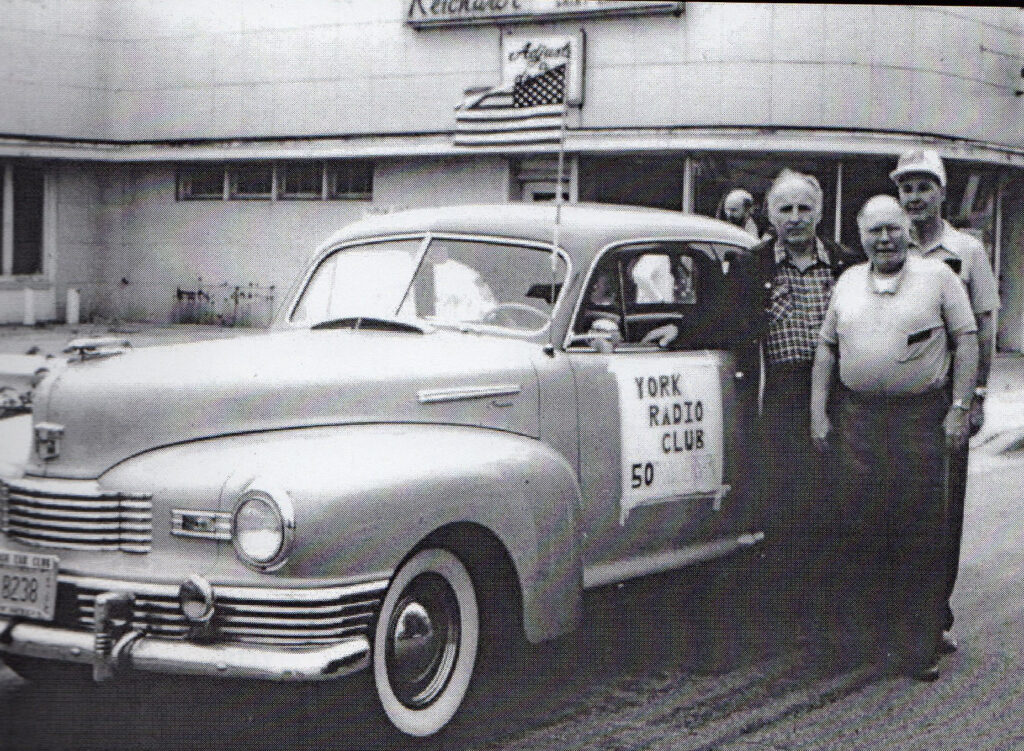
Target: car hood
113 408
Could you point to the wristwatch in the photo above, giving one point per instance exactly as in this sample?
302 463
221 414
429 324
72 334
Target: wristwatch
959 404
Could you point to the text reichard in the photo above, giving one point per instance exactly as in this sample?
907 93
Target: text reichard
456 12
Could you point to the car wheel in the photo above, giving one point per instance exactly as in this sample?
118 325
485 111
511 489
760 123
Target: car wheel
425 642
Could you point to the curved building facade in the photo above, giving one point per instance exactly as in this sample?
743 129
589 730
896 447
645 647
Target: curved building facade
182 160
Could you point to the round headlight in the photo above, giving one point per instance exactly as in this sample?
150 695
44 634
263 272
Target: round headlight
261 527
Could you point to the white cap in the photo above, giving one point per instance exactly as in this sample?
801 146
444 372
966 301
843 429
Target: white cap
920 161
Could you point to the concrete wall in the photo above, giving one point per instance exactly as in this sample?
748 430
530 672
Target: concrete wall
53 71
149 69
153 244
336 66
88 200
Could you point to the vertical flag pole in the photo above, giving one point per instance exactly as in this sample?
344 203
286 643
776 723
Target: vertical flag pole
558 220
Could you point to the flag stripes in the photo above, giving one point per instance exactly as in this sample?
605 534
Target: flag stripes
530 112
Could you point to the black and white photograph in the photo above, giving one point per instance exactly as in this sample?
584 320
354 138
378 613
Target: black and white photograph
511 375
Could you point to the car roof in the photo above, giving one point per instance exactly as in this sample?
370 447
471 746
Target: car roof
585 228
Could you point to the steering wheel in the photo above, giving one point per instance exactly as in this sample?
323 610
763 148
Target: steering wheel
665 317
515 315
665 321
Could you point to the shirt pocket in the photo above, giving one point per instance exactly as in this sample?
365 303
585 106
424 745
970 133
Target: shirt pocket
782 302
920 341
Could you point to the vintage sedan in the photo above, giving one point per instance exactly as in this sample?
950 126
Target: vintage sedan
463 418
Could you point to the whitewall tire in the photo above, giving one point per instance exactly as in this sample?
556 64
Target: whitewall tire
425 644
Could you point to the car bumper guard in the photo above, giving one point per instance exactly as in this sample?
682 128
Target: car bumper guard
110 648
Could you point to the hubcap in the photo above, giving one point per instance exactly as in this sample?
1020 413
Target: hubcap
422 640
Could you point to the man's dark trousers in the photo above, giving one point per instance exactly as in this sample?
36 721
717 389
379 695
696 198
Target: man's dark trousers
799 545
955 524
893 487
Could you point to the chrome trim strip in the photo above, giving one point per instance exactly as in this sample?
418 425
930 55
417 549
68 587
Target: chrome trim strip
632 568
457 393
248 594
147 653
45 487
220 524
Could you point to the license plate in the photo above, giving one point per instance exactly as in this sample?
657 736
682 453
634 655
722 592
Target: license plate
28 585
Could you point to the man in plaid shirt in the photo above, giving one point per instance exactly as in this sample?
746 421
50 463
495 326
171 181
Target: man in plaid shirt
791 279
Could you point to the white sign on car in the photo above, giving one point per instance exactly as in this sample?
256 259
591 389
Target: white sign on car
671 427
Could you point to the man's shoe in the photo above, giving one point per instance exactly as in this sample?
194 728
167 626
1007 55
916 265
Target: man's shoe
947 644
927 674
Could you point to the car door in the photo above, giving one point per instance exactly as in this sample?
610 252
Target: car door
661 431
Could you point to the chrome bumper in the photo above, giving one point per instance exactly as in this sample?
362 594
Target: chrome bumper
136 650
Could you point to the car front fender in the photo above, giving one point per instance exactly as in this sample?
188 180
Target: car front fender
365 496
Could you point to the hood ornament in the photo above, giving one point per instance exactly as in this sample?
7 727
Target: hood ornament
91 348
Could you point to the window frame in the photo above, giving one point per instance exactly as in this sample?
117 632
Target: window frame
332 170
184 182
358 174
573 340
426 238
281 176
235 171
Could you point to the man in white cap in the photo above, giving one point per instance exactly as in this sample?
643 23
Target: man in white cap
920 177
737 207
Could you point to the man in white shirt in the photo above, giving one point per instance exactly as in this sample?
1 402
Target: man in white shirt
897 329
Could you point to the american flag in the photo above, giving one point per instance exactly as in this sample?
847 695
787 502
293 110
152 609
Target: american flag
529 112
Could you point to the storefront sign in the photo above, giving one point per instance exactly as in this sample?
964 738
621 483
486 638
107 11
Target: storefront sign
527 56
427 13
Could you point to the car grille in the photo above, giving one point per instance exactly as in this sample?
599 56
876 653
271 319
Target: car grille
76 516
249 615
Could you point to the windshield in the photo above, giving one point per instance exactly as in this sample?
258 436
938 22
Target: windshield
456 282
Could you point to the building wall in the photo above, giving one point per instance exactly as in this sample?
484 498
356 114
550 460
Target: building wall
329 66
53 72
153 245
87 202
149 69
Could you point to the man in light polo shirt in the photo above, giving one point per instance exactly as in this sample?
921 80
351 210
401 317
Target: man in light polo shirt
921 178
886 335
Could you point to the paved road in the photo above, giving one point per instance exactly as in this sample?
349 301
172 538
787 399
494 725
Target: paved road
675 662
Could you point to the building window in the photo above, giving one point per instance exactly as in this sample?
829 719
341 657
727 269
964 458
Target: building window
655 181
311 181
352 180
21 234
28 221
201 183
252 181
301 180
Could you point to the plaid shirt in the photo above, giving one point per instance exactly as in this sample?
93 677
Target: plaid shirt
799 302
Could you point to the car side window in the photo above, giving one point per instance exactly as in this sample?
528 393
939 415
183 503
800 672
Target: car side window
636 291
485 282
